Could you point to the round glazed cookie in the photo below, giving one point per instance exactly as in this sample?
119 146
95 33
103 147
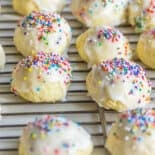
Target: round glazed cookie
25 7
2 57
142 14
42 78
55 136
119 84
102 43
133 133
146 48
42 31
94 13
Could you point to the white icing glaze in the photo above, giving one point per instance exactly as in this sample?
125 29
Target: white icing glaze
35 34
98 12
103 43
133 133
39 75
121 85
54 5
2 57
54 136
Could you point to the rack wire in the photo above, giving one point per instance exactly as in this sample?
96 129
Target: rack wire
16 112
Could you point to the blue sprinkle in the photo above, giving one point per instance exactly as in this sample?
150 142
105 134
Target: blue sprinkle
65 145
38 89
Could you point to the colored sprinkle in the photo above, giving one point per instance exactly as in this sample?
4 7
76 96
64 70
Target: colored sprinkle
83 11
106 2
56 152
42 135
120 67
38 89
125 71
139 120
45 22
25 78
103 34
110 34
140 23
33 135
50 124
46 62
65 145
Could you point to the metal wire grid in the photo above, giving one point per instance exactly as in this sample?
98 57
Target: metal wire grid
78 106
16 112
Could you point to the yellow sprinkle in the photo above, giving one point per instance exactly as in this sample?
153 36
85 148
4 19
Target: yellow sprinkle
51 125
99 82
25 78
33 136
33 53
40 72
30 69
42 135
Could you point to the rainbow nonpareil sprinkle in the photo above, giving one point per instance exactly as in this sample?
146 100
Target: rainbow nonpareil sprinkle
46 62
110 34
139 121
51 135
125 71
97 5
49 124
121 67
108 38
45 23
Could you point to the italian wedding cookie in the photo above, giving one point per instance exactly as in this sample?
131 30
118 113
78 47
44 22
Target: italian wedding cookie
119 84
133 133
2 57
52 135
44 77
94 13
146 48
25 7
42 31
142 14
102 43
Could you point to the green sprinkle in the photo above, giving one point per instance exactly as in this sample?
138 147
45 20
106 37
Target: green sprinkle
99 44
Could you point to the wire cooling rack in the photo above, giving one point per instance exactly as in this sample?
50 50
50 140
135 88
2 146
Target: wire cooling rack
78 106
